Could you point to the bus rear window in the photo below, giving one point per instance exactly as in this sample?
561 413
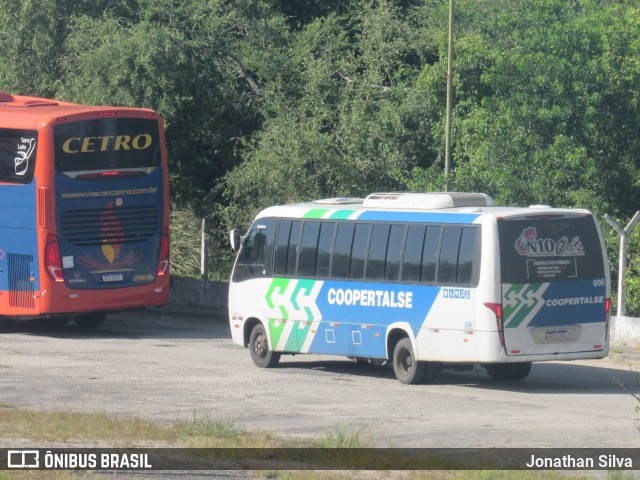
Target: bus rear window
107 148
536 250
17 155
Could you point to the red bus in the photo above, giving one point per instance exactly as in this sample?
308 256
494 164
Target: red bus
84 210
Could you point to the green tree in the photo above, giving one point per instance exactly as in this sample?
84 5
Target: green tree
345 126
289 100
546 108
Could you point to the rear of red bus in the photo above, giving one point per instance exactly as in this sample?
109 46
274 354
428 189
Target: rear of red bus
100 215
105 240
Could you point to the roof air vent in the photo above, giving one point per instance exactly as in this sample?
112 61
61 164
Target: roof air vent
338 201
427 200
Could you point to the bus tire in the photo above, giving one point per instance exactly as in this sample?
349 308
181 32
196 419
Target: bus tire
261 355
509 372
89 321
407 369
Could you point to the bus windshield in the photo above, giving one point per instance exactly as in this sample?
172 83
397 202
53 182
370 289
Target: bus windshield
103 148
536 249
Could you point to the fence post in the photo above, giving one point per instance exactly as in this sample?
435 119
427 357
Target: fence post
204 243
204 251
622 266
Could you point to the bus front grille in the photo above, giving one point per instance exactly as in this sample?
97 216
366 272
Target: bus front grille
94 226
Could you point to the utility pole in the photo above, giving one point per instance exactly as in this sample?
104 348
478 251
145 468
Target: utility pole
447 141
622 268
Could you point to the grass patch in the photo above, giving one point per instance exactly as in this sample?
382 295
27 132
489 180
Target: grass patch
345 437
202 430
48 475
359 475
92 429
88 428
435 475
206 426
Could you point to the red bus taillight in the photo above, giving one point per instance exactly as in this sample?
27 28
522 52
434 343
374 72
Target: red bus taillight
496 308
607 309
52 261
163 263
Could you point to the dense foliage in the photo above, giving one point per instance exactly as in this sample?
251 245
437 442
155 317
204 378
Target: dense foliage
287 100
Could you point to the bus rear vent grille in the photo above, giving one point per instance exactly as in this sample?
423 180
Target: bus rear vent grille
21 281
93 226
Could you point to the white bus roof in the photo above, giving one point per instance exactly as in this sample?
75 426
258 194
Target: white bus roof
466 205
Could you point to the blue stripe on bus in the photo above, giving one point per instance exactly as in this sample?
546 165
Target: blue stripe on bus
418 217
354 312
568 303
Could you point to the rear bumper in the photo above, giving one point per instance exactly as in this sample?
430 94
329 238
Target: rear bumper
64 300
490 350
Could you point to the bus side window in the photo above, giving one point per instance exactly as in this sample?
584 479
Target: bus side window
448 266
17 155
292 250
394 253
282 246
412 260
325 242
286 254
378 251
359 250
253 260
342 250
430 254
308 248
466 255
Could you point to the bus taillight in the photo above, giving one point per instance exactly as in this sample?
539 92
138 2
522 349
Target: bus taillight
496 308
607 309
52 261
163 264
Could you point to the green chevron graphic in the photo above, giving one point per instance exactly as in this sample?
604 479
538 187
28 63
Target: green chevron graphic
290 331
306 286
276 328
281 285
521 302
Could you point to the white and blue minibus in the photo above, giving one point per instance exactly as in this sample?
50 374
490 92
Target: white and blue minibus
425 281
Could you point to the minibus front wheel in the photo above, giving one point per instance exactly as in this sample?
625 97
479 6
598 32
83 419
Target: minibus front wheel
261 355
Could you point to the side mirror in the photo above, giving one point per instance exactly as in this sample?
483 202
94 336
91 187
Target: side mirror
235 239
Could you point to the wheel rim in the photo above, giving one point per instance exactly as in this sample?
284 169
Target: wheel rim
405 362
260 346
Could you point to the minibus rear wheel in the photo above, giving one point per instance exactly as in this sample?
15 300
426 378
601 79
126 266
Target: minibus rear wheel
407 369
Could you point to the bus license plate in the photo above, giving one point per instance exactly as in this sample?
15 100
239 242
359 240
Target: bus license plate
112 277
559 336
